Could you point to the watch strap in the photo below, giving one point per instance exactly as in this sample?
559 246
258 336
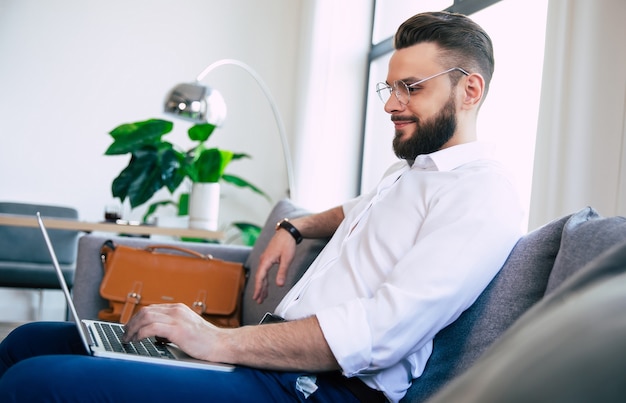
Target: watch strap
289 227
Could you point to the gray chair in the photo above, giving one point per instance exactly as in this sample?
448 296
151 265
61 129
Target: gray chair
24 259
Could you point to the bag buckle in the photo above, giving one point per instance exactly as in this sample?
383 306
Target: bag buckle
133 297
199 306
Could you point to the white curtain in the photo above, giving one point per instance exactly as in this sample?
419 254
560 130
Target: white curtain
329 108
581 147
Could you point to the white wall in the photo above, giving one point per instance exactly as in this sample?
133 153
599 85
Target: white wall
72 70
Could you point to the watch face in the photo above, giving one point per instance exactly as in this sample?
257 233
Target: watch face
279 224
271 318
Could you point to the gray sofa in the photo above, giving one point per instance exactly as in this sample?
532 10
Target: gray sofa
517 319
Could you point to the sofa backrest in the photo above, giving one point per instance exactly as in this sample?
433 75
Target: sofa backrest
569 347
537 265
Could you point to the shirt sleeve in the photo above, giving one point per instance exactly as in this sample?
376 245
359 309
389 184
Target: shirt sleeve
350 204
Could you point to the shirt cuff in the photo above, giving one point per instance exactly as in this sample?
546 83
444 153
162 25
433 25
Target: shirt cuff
339 324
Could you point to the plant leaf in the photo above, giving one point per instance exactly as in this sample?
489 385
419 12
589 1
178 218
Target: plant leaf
171 164
148 171
136 167
238 181
201 132
183 204
209 165
153 207
130 137
147 180
237 156
249 232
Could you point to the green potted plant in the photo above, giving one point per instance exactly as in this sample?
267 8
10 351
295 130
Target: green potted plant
156 163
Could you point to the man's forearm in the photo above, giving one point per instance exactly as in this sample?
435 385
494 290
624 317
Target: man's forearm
320 225
288 346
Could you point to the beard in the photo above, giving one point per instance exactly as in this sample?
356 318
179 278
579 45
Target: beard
429 136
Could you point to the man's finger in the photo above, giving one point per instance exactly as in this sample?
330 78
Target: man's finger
260 278
281 275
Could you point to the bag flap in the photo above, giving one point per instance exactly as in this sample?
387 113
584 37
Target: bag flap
164 278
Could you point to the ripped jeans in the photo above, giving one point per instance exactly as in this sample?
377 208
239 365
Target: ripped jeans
46 361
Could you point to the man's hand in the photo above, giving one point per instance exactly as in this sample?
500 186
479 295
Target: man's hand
282 247
178 324
281 251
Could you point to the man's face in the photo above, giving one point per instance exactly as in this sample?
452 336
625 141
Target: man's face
428 121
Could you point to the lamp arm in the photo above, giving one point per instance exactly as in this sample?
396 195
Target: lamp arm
272 102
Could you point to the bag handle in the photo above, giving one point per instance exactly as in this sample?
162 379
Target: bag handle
153 248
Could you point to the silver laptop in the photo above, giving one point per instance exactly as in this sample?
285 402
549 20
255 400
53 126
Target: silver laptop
104 339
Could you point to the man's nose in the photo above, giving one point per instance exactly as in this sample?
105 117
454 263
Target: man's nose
393 104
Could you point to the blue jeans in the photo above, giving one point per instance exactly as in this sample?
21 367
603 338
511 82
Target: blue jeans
46 361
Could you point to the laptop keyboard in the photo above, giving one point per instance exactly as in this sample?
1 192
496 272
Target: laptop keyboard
111 335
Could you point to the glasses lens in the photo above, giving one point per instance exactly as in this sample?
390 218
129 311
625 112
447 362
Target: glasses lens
402 92
383 91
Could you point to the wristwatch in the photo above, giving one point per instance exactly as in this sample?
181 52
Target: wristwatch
287 226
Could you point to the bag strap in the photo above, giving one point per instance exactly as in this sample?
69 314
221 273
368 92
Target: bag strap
153 248
132 300
107 247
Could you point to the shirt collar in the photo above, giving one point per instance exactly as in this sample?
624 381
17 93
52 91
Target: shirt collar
453 157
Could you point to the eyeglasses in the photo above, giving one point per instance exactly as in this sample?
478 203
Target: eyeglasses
403 91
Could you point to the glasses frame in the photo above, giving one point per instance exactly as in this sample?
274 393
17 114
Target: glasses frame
396 91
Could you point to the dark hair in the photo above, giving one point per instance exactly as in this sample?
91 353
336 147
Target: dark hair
463 43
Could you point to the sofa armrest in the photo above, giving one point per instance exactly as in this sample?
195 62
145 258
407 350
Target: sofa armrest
86 291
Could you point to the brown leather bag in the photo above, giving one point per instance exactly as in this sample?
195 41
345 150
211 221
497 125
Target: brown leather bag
134 278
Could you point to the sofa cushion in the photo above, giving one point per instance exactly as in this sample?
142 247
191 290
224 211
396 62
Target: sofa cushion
520 283
567 348
306 252
585 236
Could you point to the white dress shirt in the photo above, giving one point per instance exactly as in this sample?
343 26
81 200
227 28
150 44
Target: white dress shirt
407 260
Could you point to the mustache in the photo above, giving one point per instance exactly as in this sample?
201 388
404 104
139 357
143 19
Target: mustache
397 118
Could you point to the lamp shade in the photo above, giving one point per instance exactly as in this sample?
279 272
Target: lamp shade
197 103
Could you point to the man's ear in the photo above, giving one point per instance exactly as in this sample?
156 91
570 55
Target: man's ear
473 90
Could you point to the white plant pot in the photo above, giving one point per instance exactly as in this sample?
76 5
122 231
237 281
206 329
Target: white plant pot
204 205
